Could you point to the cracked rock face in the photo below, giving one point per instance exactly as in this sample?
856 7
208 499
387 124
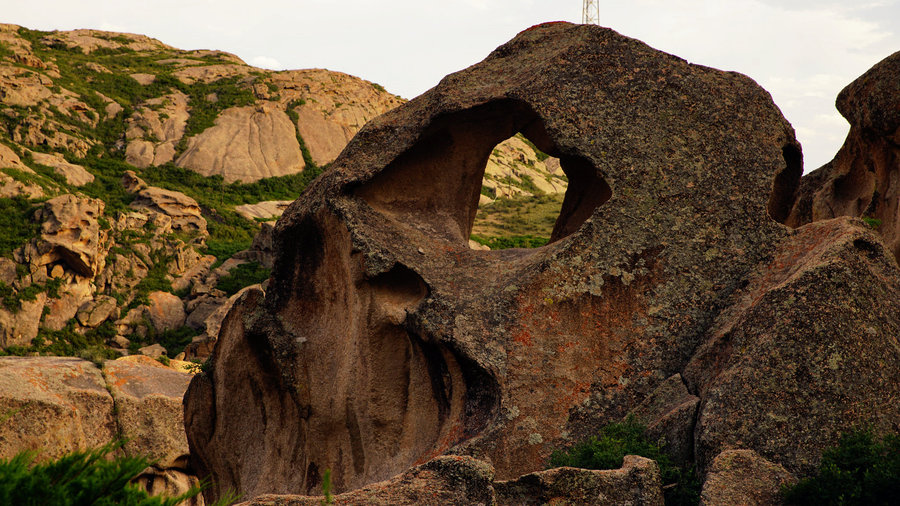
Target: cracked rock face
383 340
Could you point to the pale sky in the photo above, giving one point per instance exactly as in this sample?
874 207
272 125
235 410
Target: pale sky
802 51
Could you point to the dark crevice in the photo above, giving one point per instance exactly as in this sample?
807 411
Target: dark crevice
786 184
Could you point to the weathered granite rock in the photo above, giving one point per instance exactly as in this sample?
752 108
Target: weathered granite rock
184 211
669 413
96 311
70 234
18 328
464 480
166 311
246 144
384 340
148 398
155 128
808 349
861 180
75 175
636 482
444 480
743 478
53 404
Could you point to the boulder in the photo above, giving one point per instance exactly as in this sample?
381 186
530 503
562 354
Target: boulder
636 482
246 144
96 311
166 311
669 413
60 310
266 210
70 234
383 339
53 404
743 478
807 350
861 179
75 175
155 129
20 327
149 414
183 211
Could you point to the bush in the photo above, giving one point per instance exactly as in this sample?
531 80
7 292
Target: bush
78 478
16 225
516 241
680 484
860 470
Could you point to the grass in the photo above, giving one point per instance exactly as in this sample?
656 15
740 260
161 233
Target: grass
523 217
607 450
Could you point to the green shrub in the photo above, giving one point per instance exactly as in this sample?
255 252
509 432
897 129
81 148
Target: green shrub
860 470
78 478
16 225
680 484
241 276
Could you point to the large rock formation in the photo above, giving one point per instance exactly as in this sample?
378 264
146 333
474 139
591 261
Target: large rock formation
56 405
246 144
861 180
383 340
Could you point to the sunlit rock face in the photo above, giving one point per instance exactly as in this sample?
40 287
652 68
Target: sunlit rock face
383 340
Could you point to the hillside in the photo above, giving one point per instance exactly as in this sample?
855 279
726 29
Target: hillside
134 177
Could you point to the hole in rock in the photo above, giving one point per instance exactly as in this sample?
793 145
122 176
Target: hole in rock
786 184
499 151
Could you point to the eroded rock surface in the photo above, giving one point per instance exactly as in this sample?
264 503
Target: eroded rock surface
246 144
70 234
384 340
743 478
861 180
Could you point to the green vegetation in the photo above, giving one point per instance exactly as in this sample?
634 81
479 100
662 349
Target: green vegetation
78 478
174 341
523 217
241 276
326 488
873 223
16 224
13 299
861 470
681 486
515 241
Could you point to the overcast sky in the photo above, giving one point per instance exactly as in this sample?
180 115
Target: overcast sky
803 51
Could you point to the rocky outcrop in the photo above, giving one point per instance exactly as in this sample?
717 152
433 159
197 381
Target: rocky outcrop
637 482
181 212
74 174
63 406
154 130
743 478
19 326
166 311
69 404
384 340
246 144
464 480
861 179
70 235
330 107
808 349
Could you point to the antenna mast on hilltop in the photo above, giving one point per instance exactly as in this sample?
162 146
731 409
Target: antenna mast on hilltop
590 14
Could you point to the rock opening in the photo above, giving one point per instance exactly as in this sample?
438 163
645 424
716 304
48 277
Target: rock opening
438 184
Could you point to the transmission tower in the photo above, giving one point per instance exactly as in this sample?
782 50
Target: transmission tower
590 14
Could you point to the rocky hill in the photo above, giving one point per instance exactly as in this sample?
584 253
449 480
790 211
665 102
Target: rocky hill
134 177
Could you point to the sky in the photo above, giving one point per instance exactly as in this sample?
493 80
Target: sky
802 51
